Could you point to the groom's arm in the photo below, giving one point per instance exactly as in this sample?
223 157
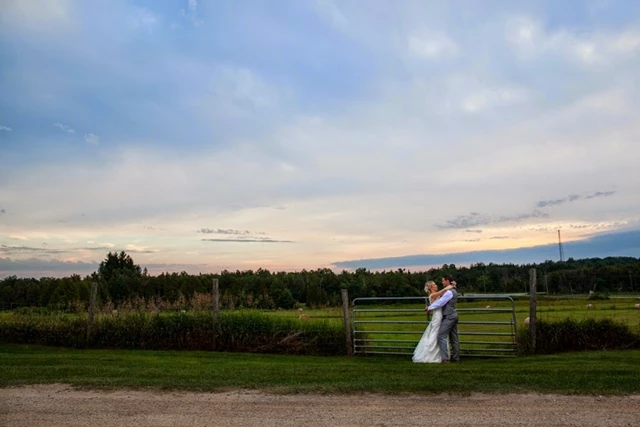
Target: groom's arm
441 301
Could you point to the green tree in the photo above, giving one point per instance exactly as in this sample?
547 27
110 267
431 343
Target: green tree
121 275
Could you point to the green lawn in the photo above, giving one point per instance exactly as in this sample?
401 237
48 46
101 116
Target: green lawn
615 372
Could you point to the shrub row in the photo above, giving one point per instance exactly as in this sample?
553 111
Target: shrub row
583 335
234 332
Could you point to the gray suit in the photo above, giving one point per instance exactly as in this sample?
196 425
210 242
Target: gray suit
449 327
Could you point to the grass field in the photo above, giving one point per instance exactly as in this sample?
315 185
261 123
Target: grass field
589 373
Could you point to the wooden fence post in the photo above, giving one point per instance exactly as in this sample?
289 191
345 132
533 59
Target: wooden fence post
347 322
216 311
216 300
92 307
533 282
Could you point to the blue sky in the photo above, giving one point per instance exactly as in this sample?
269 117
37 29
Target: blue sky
204 135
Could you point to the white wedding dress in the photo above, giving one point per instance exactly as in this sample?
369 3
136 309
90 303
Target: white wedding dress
427 350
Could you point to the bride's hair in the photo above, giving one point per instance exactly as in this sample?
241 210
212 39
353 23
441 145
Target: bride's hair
427 286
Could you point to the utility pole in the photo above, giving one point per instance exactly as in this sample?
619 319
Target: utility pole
560 247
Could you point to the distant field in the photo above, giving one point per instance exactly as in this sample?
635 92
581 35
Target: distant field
620 309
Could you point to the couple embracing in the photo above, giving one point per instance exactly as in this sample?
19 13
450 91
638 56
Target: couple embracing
434 344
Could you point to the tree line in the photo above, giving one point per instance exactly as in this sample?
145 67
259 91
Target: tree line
120 279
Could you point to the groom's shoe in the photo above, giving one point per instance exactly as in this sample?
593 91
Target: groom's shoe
445 361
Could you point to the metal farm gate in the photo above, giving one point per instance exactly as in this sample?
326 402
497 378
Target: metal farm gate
394 325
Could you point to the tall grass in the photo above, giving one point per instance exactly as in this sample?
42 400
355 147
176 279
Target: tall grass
233 332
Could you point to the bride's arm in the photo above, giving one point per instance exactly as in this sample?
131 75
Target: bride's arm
438 294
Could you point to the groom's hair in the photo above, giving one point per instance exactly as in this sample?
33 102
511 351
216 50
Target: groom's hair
448 278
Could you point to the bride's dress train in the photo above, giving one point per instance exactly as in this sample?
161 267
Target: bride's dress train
427 350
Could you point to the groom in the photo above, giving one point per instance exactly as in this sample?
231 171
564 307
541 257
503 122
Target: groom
449 325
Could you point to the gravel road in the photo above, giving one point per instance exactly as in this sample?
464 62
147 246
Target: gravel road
62 405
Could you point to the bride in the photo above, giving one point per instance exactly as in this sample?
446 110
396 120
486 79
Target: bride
427 350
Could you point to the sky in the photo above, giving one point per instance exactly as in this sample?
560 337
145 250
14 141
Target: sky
201 135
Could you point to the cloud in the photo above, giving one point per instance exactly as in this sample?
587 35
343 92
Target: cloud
64 128
244 236
330 9
12 250
2 211
573 198
250 240
492 97
148 227
241 88
143 19
191 13
222 231
92 138
20 250
36 267
5 128
475 219
531 39
432 45
38 16
473 231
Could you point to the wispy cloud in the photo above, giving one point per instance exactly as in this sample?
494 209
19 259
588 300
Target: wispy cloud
2 212
191 13
148 227
224 231
532 39
42 16
36 267
245 236
144 19
17 250
330 9
475 219
492 97
5 128
12 250
64 128
241 236
573 198
92 138
432 45
250 240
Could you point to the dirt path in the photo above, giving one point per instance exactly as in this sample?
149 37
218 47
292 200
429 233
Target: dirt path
60 405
